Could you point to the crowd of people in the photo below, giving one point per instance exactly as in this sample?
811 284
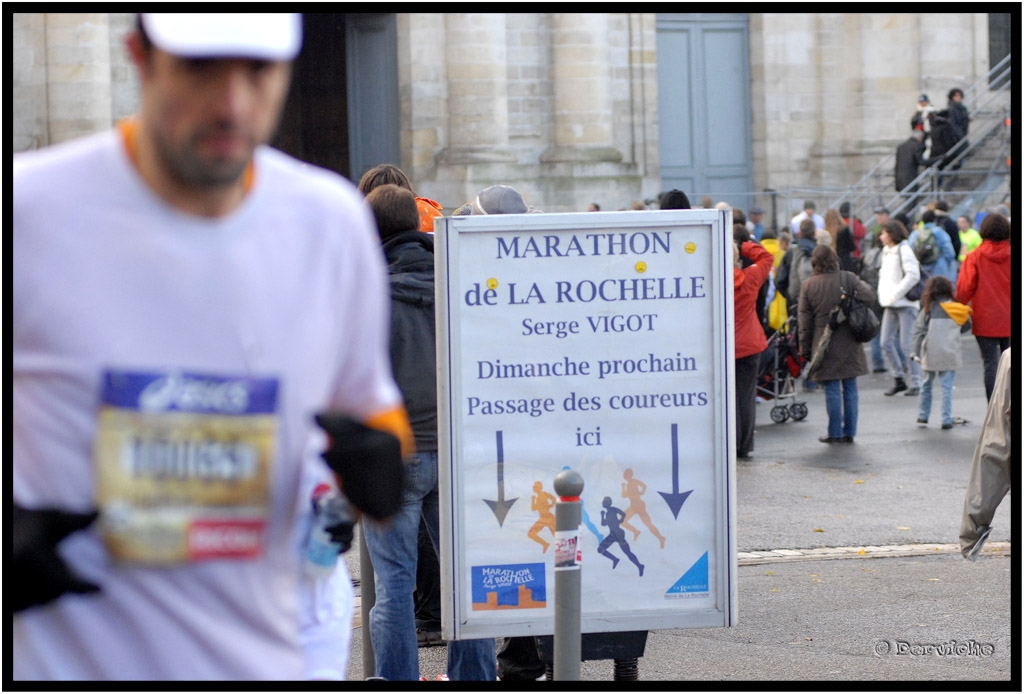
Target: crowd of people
179 332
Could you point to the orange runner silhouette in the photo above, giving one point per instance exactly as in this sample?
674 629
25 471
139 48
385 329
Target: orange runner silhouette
633 489
542 502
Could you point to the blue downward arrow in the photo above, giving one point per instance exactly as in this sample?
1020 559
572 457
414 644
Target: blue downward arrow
500 507
675 499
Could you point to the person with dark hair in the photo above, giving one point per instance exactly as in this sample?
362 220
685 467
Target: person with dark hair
843 360
383 174
958 119
899 271
593 207
857 228
984 285
870 265
214 294
943 220
674 199
807 212
749 335
795 266
936 345
392 546
910 157
933 247
957 111
845 248
389 173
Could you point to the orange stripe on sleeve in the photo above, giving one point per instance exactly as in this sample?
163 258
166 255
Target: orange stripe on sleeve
395 422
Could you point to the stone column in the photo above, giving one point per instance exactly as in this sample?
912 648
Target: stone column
78 74
582 77
477 64
28 82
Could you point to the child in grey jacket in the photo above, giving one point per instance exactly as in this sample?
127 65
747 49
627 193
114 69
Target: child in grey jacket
936 345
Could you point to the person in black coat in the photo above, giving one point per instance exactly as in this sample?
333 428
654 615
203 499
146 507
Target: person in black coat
909 159
393 547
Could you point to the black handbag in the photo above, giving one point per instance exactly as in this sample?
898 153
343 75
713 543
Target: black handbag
917 291
863 322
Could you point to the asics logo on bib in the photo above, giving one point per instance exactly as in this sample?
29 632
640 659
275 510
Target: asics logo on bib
193 394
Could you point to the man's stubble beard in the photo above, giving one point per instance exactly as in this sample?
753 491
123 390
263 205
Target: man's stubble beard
190 170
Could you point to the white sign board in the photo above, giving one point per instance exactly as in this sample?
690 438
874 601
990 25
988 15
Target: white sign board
600 342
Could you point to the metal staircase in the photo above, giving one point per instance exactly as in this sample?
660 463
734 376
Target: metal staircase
976 178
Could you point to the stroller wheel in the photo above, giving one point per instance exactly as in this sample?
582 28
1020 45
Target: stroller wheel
798 411
779 414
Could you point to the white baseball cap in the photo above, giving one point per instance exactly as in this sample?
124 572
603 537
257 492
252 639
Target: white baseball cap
209 35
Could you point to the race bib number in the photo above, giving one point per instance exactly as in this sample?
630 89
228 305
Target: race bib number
183 464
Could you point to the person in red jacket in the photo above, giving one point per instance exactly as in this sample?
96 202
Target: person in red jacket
856 227
750 340
984 285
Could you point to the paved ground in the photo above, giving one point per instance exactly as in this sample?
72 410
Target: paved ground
848 564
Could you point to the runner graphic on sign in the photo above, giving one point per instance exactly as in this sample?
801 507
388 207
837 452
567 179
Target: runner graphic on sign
542 502
633 489
613 517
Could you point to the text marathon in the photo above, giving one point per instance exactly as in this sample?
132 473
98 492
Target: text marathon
621 243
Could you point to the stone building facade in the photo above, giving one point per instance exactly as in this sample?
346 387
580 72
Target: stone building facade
564 106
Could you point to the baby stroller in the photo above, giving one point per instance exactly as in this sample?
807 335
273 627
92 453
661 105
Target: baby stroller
781 365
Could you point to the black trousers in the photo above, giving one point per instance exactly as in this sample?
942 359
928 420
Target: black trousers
991 349
746 403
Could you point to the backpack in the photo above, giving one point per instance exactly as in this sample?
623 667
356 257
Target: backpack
925 247
800 271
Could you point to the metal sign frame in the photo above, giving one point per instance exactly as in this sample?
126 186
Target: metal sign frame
600 341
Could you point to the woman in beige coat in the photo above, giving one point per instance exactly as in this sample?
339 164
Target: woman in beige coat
843 360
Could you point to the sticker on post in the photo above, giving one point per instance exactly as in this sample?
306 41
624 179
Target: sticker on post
567 550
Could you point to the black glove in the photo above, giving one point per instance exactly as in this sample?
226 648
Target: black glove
368 463
341 534
40 575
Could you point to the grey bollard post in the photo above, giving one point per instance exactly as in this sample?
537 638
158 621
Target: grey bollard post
567 640
367 598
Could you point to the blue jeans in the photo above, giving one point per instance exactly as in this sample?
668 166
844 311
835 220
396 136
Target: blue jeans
900 320
841 404
877 359
392 549
924 402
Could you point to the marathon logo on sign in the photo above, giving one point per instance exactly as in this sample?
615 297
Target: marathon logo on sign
225 539
693 583
509 587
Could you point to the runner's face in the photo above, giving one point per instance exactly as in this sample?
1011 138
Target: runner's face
206 116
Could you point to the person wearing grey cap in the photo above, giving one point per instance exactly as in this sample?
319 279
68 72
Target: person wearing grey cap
497 199
755 222
186 300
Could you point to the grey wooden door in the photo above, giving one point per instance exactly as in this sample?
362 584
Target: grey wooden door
373 111
704 105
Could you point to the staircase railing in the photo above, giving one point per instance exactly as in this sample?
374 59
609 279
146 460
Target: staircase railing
988 108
